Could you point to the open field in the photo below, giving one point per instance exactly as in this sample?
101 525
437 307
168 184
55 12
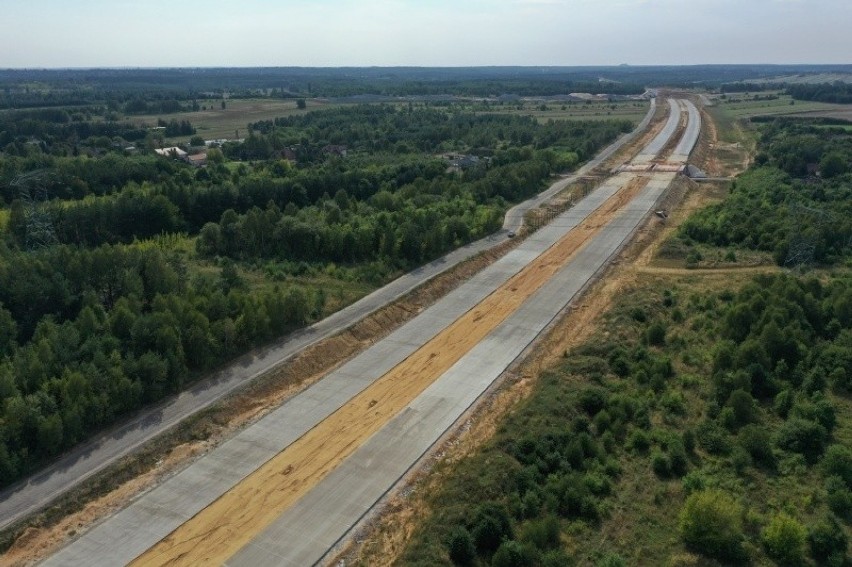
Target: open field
622 110
737 107
216 123
809 79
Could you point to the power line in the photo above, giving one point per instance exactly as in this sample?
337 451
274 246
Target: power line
32 191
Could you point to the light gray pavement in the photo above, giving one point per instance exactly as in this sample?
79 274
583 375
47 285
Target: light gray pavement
304 533
514 218
652 150
180 497
36 492
167 506
690 135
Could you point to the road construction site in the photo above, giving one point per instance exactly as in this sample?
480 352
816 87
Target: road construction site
289 488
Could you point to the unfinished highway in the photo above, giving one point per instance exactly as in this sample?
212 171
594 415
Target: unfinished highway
37 492
288 488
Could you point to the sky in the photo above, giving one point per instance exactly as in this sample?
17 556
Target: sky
329 33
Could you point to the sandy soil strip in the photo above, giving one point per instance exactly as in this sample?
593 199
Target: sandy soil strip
227 525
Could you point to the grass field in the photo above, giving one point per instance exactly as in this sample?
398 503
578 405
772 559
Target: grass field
627 110
737 107
215 123
4 218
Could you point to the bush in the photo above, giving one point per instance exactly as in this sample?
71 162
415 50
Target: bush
828 542
513 554
638 441
542 534
491 527
838 462
460 546
656 334
711 523
802 436
743 407
713 438
592 400
611 560
660 464
839 497
784 540
756 441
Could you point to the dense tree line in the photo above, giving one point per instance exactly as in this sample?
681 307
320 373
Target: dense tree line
59 131
838 92
106 320
87 336
382 128
772 207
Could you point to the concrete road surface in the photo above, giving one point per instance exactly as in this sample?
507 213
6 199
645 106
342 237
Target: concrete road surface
133 530
304 533
39 490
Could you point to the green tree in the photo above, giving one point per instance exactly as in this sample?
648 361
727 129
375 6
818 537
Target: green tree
460 546
513 554
711 523
301 104
828 542
832 165
784 540
8 332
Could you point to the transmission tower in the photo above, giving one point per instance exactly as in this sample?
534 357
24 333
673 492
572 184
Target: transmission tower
802 240
32 192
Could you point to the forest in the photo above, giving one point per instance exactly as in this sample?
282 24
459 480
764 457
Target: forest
840 93
172 90
705 422
795 203
125 276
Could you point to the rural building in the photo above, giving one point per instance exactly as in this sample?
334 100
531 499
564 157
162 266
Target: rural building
198 160
173 151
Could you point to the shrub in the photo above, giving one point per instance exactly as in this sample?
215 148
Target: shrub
611 560
638 441
542 534
678 461
711 523
513 554
839 497
713 438
755 440
784 540
592 400
660 463
655 334
802 436
743 407
828 542
460 546
838 462
490 527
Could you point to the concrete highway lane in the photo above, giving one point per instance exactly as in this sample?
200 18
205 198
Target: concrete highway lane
352 486
36 492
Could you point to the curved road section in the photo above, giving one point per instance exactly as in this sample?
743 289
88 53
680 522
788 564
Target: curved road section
304 532
36 492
